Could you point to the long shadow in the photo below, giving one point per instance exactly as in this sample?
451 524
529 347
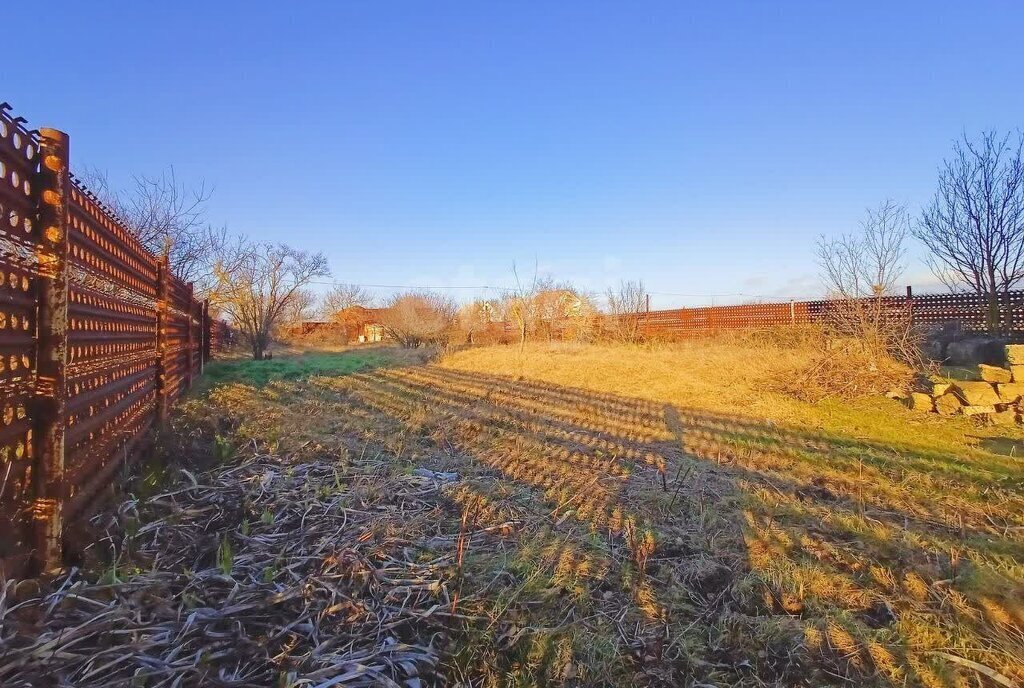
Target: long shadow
750 548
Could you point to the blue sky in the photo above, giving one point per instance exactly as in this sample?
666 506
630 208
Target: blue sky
701 147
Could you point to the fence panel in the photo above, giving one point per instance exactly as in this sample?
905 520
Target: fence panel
96 339
19 274
111 363
968 310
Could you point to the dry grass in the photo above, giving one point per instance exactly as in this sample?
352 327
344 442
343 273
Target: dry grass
614 517
737 375
890 540
848 374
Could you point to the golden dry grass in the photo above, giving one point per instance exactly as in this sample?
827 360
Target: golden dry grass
731 375
895 540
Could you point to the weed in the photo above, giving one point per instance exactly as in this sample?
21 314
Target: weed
225 556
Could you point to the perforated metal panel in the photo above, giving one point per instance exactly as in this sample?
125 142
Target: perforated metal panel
18 273
110 371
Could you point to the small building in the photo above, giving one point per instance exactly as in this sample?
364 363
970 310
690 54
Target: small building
361 325
352 325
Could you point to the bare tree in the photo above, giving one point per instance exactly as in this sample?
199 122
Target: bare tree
257 284
167 217
974 227
343 296
861 272
419 317
625 306
520 305
300 307
475 317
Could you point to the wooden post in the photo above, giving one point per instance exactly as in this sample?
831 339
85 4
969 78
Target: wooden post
190 310
910 304
53 190
162 320
792 312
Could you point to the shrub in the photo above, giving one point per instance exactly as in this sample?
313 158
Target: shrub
416 318
846 369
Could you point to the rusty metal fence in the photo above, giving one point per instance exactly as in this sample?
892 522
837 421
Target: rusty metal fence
97 340
968 310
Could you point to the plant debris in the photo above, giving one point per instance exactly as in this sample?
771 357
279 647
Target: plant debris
255 575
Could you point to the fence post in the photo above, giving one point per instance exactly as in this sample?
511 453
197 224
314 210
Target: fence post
190 310
162 315
53 188
792 311
207 331
910 304
204 334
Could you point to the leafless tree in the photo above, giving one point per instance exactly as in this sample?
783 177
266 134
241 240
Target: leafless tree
475 317
520 305
626 304
419 317
258 283
300 307
974 227
343 296
167 217
861 272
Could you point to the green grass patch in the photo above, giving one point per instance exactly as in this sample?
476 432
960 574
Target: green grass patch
297 367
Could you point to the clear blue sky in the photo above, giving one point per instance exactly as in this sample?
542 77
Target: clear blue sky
699 146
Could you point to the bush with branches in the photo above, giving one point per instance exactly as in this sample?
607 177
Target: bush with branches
870 343
419 317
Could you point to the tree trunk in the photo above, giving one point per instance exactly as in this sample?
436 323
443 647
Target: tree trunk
259 346
992 297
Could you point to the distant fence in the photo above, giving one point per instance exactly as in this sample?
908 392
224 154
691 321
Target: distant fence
97 340
967 309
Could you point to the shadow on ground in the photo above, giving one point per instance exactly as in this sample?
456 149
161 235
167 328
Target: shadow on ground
698 547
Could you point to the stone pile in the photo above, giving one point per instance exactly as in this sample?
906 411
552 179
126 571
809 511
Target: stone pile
998 395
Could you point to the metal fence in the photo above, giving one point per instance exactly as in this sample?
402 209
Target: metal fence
97 339
968 310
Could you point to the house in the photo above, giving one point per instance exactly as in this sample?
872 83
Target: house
352 325
360 324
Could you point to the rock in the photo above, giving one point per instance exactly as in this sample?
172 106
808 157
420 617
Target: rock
1014 354
1007 417
1010 392
896 393
975 350
1017 371
994 373
976 393
937 384
972 410
948 405
919 401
